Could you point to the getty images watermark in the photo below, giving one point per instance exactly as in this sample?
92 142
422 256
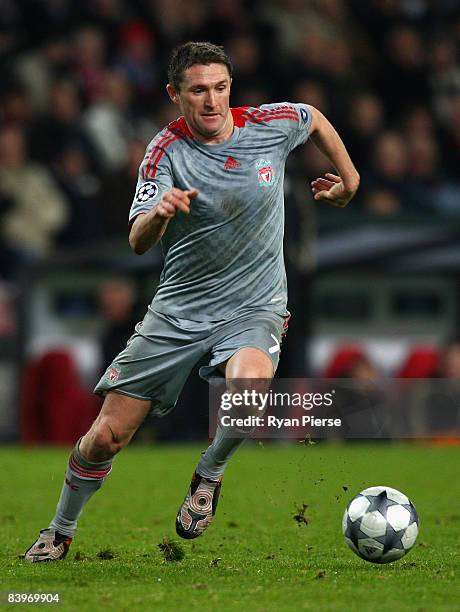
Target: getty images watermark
339 408
250 400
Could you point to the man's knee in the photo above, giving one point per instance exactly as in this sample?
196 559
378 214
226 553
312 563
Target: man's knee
247 399
116 424
249 363
105 441
101 443
250 385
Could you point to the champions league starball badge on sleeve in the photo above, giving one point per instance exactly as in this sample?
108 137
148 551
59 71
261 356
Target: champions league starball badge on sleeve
147 191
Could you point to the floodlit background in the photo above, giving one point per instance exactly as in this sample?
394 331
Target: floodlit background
373 288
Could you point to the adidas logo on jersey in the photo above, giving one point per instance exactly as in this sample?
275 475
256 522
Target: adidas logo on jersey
231 163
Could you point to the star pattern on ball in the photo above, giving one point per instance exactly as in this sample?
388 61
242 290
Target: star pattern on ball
379 529
413 513
380 502
353 531
391 539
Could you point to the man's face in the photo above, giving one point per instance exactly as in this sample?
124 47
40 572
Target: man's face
204 99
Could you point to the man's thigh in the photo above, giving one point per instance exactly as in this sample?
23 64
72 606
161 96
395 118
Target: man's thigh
262 331
156 362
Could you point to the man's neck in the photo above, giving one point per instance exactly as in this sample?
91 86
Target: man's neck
224 134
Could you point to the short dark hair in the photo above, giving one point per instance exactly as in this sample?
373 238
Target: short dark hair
192 53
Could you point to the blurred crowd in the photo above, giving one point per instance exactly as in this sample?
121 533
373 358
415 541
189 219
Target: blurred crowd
83 91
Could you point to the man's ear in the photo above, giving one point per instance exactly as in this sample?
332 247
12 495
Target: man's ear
172 93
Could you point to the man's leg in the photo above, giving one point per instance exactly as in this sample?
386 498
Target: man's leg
89 464
243 370
248 363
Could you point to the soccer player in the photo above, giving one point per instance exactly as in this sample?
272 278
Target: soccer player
211 189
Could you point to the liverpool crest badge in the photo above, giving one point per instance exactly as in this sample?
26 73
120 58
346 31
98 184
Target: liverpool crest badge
265 172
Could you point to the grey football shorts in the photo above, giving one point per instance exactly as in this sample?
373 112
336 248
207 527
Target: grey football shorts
160 355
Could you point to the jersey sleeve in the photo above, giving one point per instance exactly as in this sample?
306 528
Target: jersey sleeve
300 131
154 179
293 120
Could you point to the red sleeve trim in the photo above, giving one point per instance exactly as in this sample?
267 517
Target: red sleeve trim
242 115
157 154
271 118
259 116
176 130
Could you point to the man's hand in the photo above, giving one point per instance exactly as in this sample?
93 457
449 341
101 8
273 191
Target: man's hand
148 228
174 200
333 190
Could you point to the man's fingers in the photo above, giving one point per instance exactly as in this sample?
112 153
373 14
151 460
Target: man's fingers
323 195
174 192
333 177
181 203
183 206
166 210
191 193
178 193
323 183
169 208
176 199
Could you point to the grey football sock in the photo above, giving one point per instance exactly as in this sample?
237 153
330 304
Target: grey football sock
215 458
83 478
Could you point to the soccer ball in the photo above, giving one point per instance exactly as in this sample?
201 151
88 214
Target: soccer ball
380 524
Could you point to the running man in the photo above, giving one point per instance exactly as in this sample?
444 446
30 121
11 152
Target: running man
211 189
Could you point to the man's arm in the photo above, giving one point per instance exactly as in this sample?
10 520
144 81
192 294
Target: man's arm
148 228
338 190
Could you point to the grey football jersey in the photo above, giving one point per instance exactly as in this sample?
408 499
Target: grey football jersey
226 257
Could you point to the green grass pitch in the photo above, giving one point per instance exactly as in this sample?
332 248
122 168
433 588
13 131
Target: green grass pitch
255 556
